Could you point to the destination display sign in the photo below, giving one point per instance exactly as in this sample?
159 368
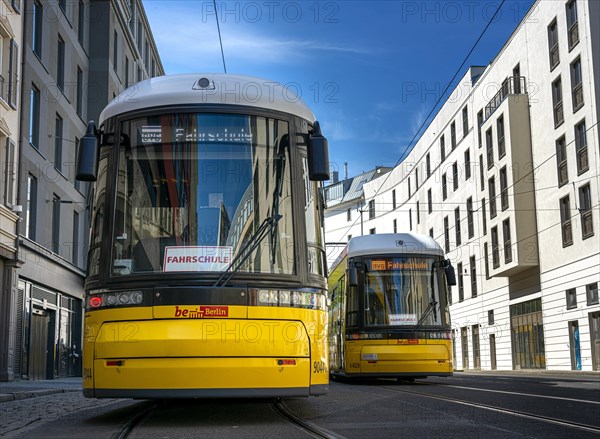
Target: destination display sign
159 134
197 258
392 264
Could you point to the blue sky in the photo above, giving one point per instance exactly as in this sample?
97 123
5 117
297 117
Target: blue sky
370 70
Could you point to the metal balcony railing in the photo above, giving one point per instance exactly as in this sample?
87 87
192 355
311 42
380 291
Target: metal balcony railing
577 97
511 85
567 233
563 173
573 35
554 56
582 160
559 117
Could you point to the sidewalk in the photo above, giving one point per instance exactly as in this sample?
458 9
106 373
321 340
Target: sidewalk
15 390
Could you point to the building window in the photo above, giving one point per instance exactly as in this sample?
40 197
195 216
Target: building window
553 45
393 198
581 147
55 224
372 231
461 285
431 233
416 178
486 259
465 120
500 132
13 65
571 294
585 210
81 21
429 202
591 293
395 226
428 165
409 189
38 19
9 175
467 164
444 187
446 235
481 175
503 189
153 68
79 91
576 85
349 238
557 102
139 74
455 175
147 56
489 145
483 216
126 72
507 241
116 51
63 6
31 215
457 225
442 148
561 161
470 227
491 317
349 215
479 123
453 135
34 117
58 139
75 256
473 270
139 36
371 209
410 219
492 193
565 221
60 64
495 248
572 28
77 183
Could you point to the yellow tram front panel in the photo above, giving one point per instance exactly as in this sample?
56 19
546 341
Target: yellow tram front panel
388 357
168 348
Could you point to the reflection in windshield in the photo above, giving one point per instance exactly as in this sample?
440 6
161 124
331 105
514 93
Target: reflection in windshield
399 290
193 188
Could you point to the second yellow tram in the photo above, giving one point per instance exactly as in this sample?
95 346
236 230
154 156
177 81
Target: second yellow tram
389 313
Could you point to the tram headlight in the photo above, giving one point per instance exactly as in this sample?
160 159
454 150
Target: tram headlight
111 299
137 297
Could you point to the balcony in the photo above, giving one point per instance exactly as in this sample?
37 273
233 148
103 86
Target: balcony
559 117
513 85
573 35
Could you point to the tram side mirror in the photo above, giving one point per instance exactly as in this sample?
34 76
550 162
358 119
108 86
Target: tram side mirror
318 155
352 277
88 155
450 273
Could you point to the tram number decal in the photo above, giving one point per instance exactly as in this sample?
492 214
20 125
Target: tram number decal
319 367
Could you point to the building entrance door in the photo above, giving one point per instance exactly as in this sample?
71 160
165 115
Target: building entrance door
575 345
493 351
595 339
527 335
38 344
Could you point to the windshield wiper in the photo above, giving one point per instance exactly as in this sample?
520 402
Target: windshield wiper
267 226
428 310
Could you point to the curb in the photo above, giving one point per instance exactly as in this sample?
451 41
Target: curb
15 396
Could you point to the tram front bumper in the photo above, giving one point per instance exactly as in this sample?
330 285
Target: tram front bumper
201 358
400 360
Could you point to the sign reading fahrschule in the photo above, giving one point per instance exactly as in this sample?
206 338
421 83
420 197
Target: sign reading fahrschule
197 258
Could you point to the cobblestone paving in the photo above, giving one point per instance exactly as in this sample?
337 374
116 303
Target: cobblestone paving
18 417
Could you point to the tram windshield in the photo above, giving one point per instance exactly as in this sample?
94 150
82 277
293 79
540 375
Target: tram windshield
399 291
192 189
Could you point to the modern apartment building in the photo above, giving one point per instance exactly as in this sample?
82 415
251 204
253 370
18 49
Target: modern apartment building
505 178
78 55
10 72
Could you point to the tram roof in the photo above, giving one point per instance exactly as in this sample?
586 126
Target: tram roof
187 89
393 243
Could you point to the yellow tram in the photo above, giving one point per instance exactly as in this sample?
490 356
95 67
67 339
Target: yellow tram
389 313
206 268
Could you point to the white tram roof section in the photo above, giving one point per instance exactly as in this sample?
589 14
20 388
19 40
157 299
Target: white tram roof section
393 243
187 89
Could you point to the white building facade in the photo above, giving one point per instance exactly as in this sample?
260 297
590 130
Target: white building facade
505 178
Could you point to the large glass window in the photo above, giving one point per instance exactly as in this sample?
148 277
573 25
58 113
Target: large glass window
402 291
194 189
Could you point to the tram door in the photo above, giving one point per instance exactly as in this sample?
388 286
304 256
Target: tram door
38 351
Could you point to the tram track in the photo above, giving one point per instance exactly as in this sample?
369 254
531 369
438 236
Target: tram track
135 420
521 414
282 410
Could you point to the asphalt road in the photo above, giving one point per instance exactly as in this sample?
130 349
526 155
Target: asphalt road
466 405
